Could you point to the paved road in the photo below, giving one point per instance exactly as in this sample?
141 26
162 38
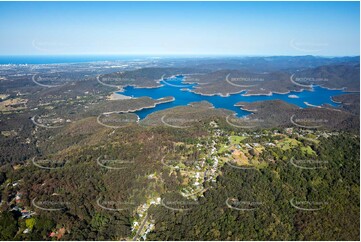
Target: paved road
141 227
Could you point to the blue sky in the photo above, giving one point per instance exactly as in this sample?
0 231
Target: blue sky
180 28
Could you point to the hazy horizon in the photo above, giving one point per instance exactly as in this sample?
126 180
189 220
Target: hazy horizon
155 55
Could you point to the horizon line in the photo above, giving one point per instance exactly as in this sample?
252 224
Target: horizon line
180 55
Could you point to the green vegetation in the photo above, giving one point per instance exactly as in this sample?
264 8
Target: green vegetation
80 184
287 144
110 184
336 188
8 226
237 139
30 222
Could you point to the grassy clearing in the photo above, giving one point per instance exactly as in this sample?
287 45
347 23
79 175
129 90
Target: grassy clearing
237 139
288 143
308 150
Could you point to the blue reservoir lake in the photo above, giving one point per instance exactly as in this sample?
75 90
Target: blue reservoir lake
180 91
